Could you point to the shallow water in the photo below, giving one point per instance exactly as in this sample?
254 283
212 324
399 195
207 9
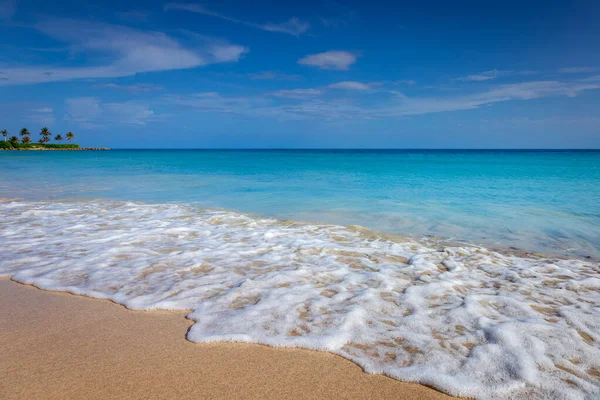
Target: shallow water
539 201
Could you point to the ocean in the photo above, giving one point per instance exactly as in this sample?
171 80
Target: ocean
543 201
475 272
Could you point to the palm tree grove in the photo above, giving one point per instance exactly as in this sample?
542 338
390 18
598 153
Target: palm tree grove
25 142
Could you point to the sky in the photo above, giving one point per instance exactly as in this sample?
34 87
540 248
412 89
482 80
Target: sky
310 74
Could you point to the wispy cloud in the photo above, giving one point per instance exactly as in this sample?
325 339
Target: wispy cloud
578 70
318 91
349 85
43 110
595 78
483 76
405 82
551 121
216 103
42 116
268 75
333 59
501 93
492 74
266 107
132 51
297 93
310 104
139 88
293 26
90 113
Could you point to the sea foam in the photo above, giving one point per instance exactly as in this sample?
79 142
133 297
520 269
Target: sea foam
463 319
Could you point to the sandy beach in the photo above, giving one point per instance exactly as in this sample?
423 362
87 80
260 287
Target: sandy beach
61 346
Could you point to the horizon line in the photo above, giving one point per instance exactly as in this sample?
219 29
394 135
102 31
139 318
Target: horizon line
356 148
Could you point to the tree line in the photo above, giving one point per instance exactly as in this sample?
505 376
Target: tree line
45 136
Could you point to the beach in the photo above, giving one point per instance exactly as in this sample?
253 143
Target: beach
299 200
258 259
60 346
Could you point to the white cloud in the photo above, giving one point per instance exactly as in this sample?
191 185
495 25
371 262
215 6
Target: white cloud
293 26
139 88
89 112
578 70
492 74
483 76
7 8
349 85
333 59
132 51
307 104
518 91
297 93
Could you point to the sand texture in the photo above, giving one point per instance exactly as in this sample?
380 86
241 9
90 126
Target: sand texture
60 346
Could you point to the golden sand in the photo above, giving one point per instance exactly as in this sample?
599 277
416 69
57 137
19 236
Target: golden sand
60 346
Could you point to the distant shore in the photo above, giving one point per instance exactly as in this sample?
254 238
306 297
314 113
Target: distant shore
48 148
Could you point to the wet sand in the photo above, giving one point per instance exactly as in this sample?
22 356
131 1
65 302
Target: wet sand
60 346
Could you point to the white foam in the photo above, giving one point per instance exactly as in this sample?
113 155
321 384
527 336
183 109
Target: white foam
465 320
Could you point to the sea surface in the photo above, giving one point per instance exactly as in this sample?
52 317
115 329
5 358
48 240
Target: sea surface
544 201
475 272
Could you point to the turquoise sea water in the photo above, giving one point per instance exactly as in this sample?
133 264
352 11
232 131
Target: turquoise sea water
545 201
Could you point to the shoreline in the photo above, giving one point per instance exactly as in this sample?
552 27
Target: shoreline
51 149
415 303
428 240
67 346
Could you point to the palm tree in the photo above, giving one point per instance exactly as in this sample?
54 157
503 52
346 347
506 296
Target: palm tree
58 138
4 133
70 136
13 139
26 139
45 133
24 133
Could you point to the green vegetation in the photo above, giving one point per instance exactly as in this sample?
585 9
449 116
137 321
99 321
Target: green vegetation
25 135
45 134
13 143
21 146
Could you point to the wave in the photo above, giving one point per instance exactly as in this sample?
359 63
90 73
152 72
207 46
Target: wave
464 319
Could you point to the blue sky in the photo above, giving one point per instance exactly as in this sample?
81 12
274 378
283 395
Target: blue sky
422 74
